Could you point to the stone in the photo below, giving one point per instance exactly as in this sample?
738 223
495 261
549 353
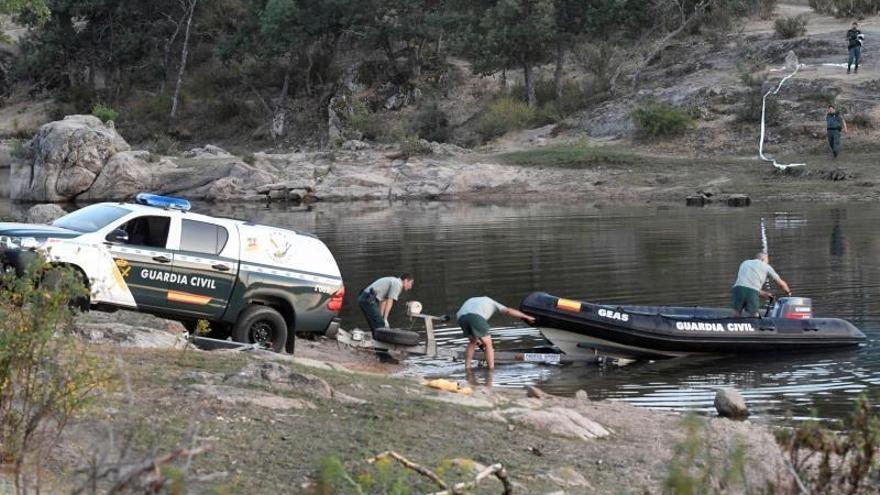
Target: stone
354 145
64 159
207 151
566 477
45 213
730 404
557 421
698 200
123 176
791 60
581 396
234 395
738 200
535 392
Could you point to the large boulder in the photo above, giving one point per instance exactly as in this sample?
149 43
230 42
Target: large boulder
64 159
124 175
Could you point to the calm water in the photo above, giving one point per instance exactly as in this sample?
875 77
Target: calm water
640 255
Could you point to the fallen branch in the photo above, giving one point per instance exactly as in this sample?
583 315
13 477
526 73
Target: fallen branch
152 465
411 465
496 469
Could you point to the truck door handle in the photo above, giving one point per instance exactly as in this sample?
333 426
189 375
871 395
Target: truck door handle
161 259
221 267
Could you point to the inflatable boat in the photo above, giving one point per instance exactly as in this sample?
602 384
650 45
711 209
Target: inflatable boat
581 329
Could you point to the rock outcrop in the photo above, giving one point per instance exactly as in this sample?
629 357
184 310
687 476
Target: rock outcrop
64 159
730 404
46 213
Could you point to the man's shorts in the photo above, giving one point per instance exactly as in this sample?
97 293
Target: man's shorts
474 325
745 299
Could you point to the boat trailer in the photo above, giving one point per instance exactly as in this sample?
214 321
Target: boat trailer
361 339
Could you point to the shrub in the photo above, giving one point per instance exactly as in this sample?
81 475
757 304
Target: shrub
45 376
503 115
696 469
661 119
846 8
104 112
413 146
791 27
763 8
750 109
431 123
861 120
367 123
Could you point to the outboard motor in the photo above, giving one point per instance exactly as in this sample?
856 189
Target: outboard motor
793 308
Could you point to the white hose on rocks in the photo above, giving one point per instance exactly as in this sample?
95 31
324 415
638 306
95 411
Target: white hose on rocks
776 164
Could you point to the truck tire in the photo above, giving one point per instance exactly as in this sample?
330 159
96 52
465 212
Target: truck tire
261 324
396 336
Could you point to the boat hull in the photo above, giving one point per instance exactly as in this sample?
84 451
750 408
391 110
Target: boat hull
580 328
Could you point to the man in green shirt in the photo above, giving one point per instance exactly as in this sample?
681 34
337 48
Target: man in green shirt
747 290
473 318
377 299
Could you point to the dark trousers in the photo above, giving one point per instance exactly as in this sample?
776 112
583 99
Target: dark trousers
370 307
854 54
834 141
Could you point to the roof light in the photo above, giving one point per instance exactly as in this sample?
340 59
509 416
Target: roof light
166 202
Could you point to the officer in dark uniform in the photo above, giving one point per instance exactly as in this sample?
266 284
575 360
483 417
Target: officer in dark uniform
834 123
854 39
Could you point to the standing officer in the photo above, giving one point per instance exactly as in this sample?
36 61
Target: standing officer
378 298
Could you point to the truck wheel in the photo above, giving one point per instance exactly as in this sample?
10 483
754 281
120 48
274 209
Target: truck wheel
261 325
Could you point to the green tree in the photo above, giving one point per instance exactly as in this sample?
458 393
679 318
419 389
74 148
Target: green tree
515 33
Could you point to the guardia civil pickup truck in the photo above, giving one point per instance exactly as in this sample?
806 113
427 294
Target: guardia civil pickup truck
253 283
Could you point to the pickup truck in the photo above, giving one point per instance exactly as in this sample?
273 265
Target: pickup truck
253 283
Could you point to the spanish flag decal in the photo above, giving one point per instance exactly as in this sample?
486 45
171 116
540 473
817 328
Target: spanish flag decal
568 305
187 298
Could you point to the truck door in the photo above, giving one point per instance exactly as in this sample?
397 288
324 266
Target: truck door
144 259
206 277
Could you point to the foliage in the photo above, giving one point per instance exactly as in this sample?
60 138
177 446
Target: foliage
503 115
431 123
577 155
660 119
861 120
831 462
45 376
846 8
750 108
413 146
696 469
791 27
105 113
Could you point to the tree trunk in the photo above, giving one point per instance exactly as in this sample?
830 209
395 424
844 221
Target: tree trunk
191 5
529 80
169 44
560 61
279 118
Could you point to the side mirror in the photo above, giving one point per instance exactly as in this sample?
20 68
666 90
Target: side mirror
118 236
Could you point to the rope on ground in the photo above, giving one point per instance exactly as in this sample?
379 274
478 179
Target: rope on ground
774 92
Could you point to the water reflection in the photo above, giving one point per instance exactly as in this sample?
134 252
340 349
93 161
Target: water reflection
638 255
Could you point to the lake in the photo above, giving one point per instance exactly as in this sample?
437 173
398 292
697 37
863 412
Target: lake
656 255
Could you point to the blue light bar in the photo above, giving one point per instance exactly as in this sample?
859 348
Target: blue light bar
166 202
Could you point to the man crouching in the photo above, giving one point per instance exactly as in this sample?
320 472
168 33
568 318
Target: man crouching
473 318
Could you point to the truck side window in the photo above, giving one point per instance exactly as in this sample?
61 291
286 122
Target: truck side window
201 237
148 231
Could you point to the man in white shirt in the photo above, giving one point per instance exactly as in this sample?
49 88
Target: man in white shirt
473 318
378 298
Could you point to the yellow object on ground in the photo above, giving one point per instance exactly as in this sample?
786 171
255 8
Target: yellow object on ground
448 386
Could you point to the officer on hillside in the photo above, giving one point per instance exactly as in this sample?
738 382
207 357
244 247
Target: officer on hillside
834 123
854 39
378 298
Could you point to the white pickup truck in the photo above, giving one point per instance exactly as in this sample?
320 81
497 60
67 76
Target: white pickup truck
253 283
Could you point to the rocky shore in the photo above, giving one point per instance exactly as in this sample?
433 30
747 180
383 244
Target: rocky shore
268 421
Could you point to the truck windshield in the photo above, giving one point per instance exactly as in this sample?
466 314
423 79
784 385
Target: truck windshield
91 218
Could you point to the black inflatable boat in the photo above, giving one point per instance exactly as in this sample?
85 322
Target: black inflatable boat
581 329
